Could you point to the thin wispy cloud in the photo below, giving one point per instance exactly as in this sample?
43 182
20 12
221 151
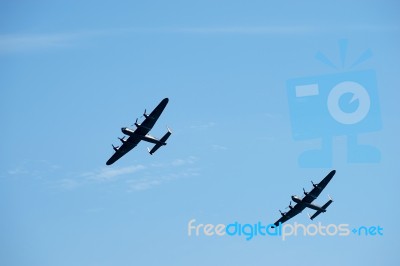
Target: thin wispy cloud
111 174
155 180
181 162
17 171
137 177
12 43
34 168
176 162
150 176
203 126
29 42
143 184
217 147
134 177
69 183
246 30
142 177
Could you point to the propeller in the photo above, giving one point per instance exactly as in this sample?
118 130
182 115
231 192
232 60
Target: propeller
144 115
136 123
115 148
290 205
330 198
314 185
122 139
304 191
282 213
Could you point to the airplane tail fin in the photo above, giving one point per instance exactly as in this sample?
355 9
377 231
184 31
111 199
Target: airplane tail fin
325 206
161 142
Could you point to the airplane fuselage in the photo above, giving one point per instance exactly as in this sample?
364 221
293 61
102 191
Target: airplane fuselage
148 138
306 204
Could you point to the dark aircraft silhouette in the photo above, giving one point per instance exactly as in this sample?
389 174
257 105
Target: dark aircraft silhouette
141 133
306 201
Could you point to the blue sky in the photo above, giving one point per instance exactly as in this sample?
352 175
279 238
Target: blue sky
74 72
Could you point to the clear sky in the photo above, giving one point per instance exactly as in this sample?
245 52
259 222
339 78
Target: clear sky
74 72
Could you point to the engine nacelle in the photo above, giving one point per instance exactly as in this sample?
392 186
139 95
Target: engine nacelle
144 114
127 131
315 185
296 199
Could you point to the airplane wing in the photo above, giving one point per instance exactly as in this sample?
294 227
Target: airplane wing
290 214
128 145
151 119
140 133
314 193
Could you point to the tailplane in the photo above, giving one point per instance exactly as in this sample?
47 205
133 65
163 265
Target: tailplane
323 207
162 142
